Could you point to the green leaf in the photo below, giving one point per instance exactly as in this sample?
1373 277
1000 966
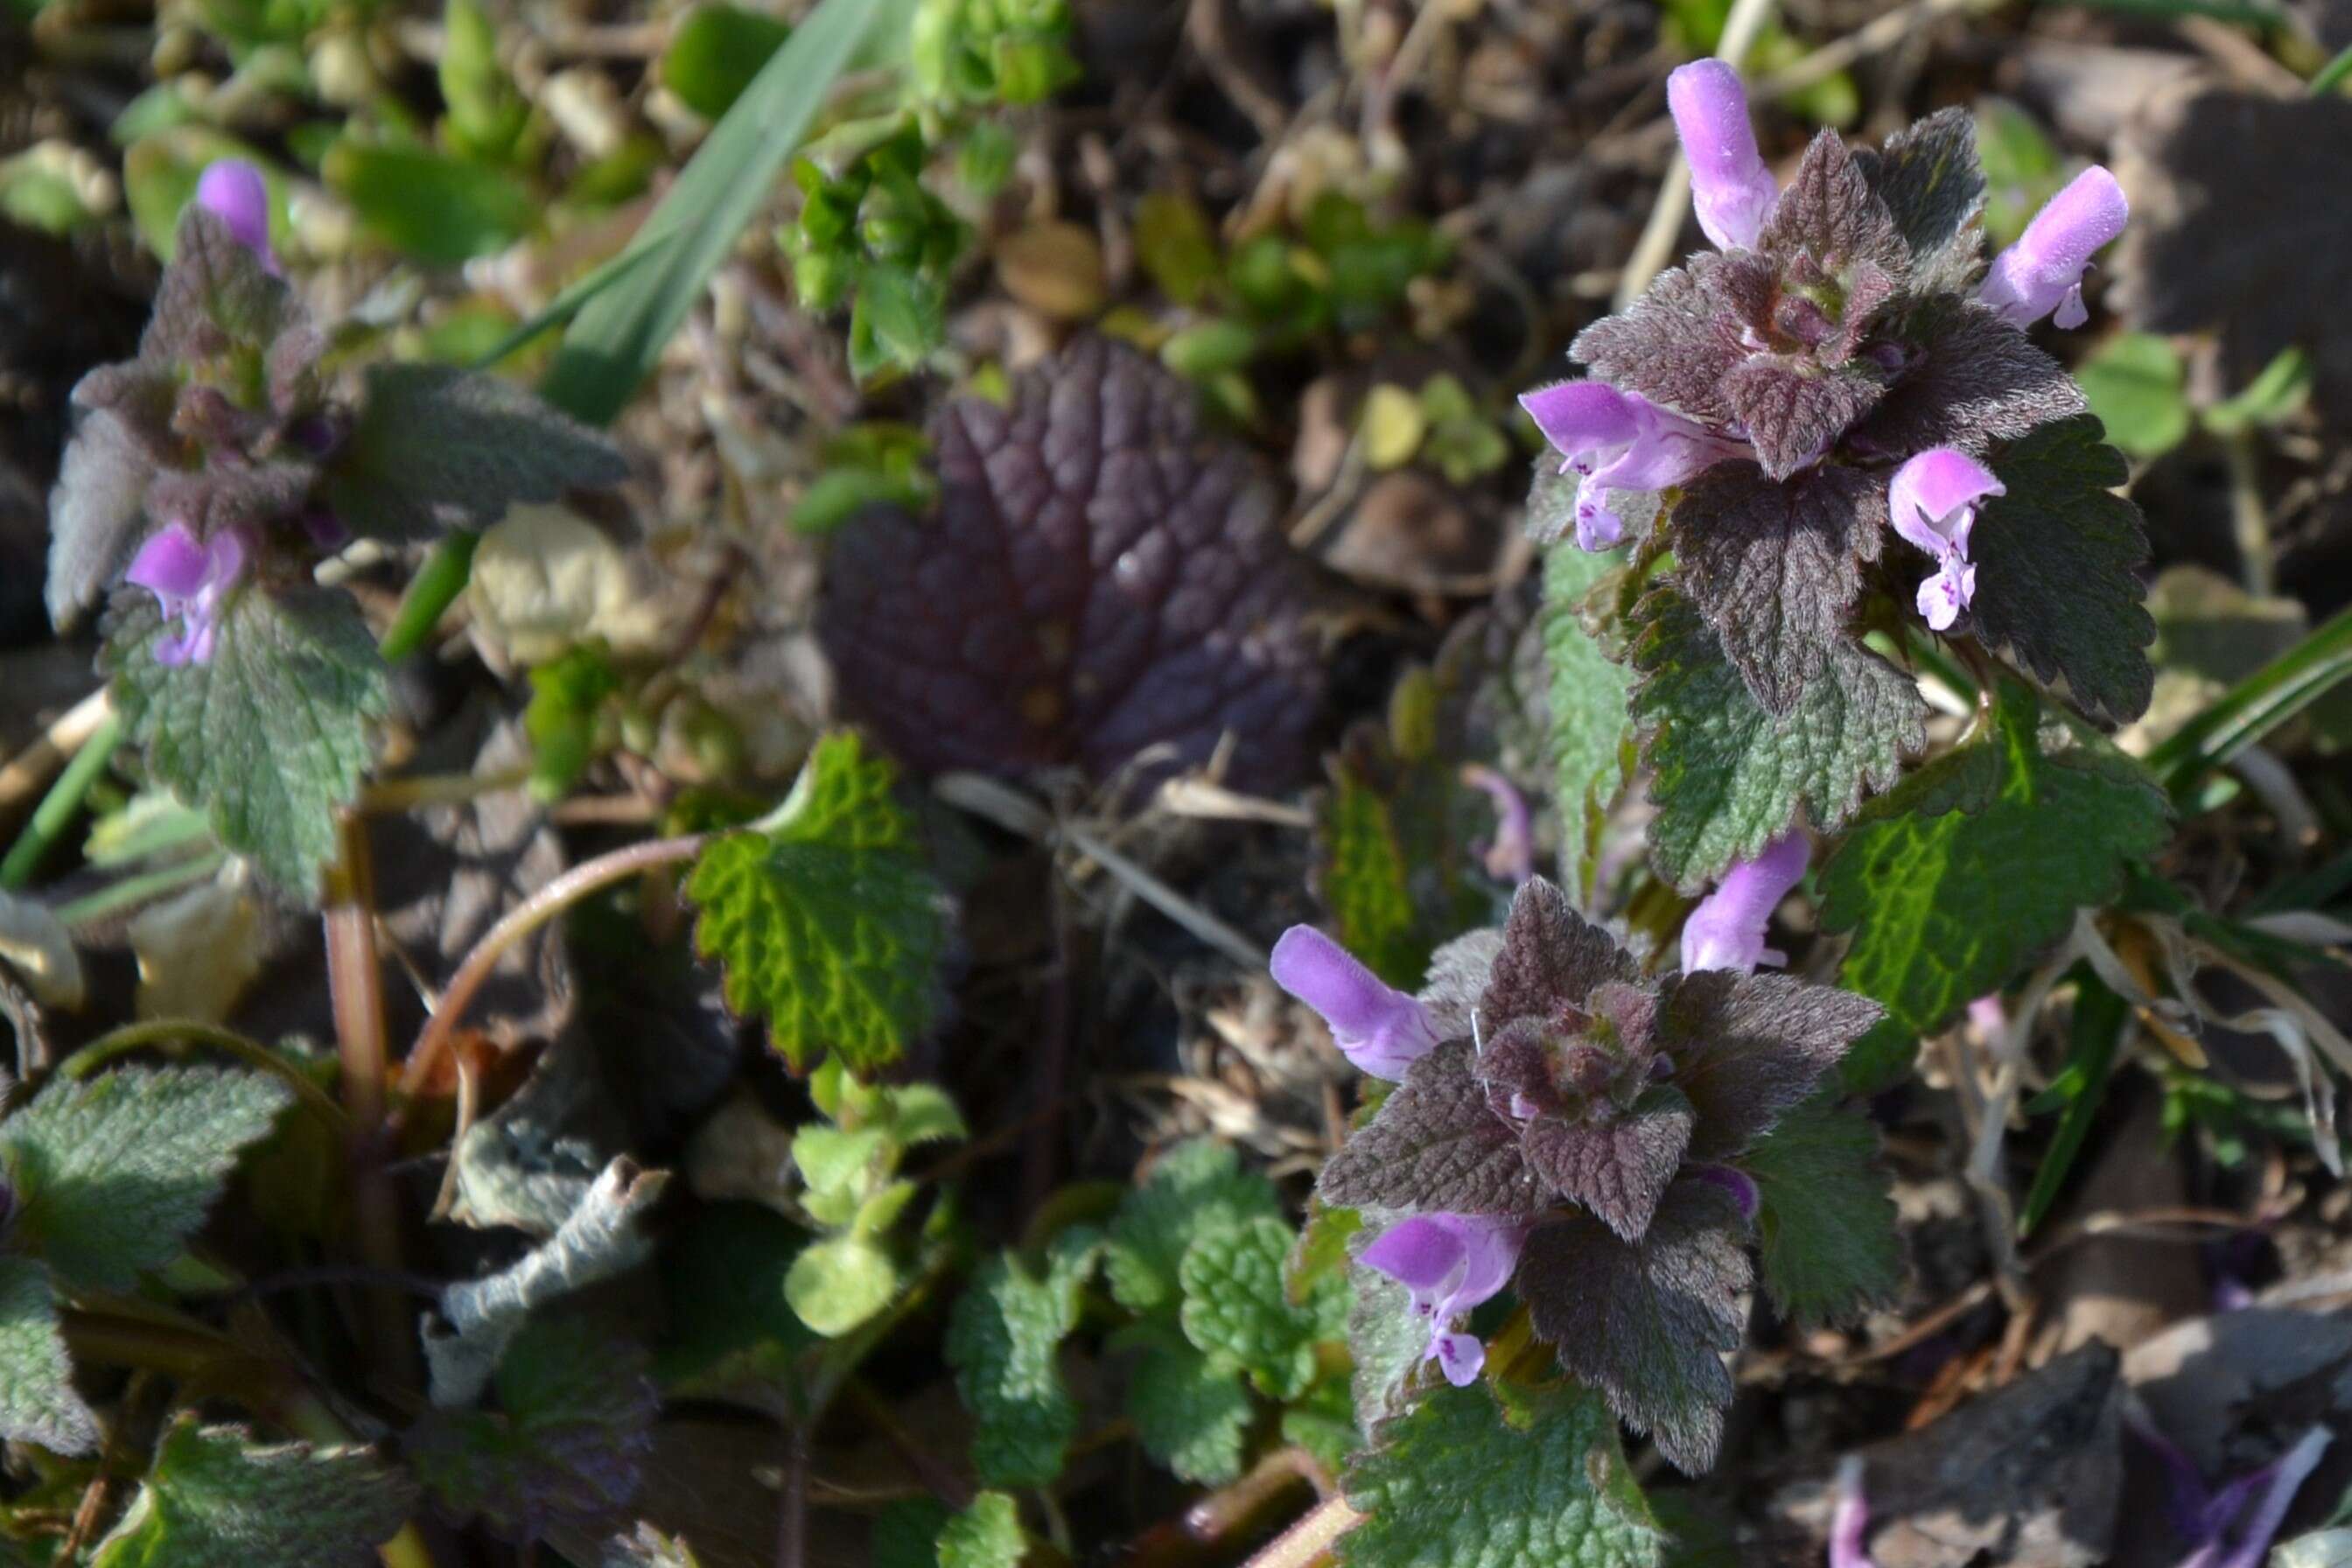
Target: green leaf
38 1402
1363 882
1452 1484
1190 1410
1957 879
563 1448
435 447
985 1535
1829 1251
1197 1189
723 1275
486 112
839 1283
2136 385
716 53
215 1498
906 1533
1176 246
825 917
113 1175
2057 570
1591 735
641 296
1324 1422
1004 1340
2081 1087
269 738
1728 777
440 210
2272 397
1236 1305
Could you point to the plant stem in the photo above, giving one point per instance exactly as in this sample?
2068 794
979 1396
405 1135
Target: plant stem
166 1031
791 1507
1311 1538
61 805
542 907
436 587
2251 523
355 989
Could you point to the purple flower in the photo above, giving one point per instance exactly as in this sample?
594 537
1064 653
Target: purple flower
1450 1262
2043 270
1511 858
1726 929
1932 504
1730 187
191 578
1618 441
1378 1027
1850 1520
1737 1183
231 190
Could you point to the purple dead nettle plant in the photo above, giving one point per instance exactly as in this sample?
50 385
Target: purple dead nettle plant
1841 367
1568 1128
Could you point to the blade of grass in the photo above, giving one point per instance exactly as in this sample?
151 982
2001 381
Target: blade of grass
2080 1087
2255 706
438 583
2331 75
614 340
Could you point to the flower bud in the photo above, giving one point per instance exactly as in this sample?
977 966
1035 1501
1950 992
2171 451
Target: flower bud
1730 187
233 191
1726 931
1378 1027
2043 270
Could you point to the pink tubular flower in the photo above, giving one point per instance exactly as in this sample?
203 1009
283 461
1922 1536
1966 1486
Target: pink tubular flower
1618 441
1932 504
1511 858
191 578
1850 1520
231 190
1451 1263
1378 1027
2043 270
1730 187
1726 929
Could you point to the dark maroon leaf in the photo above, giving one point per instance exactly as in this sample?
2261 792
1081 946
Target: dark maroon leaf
1934 188
1970 380
1793 407
1457 976
2239 226
1676 343
1747 1048
1830 214
1101 578
1646 1323
1776 568
1616 1166
1550 959
1434 1145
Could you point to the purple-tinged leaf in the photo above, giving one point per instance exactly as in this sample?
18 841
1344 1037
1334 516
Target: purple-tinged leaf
1777 568
97 511
1830 214
1934 188
1435 1145
1972 380
1550 959
1101 578
1748 1049
1647 1323
1676 343
1617 1166
1458 973
1793 408
215 296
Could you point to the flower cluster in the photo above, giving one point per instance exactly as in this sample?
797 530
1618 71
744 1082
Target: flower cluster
1567 1128
1837 325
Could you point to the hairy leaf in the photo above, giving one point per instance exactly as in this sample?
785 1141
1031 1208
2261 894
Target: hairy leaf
1005 1340
1101 578
1748 1049
985 1535
434 447
1648 1323
269 738
1970 380
1190 1411
1956 880
1775 569
38 1401
1728 777
1674 345
97 511
1830 1251
825 917
1830 214
1793 408
1934 188
1435 1144
113 1174
1387 1342
1236 1305
1550 959
1458 1482
1197 1189
1590 737
1618 1167
216 297
215 1498
2057 563
564 1448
